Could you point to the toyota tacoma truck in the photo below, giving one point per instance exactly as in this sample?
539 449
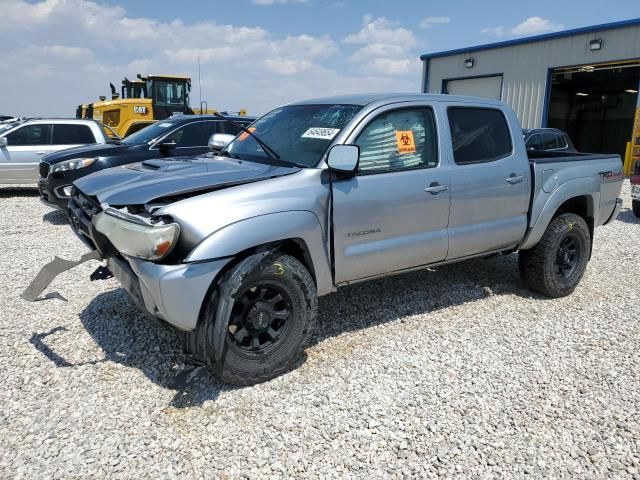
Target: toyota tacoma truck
234 248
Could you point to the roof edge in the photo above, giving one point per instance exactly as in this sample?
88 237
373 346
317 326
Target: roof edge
536 38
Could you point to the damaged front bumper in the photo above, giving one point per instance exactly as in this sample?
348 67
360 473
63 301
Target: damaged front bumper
173 293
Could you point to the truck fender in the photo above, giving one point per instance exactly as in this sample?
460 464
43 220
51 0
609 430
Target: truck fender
546 205
263 229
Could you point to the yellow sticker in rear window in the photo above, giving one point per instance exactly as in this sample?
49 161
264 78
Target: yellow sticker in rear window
244 135
405 142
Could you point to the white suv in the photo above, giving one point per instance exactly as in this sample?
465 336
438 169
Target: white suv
23 143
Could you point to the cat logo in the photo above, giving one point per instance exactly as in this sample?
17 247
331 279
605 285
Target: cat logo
141 109
405 142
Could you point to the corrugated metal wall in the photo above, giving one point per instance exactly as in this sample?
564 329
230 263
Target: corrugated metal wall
525 67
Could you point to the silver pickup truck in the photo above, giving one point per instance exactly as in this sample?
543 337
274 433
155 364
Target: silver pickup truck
234 247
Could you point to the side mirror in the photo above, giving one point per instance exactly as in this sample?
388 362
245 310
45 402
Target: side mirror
220 140
4 142
344 158
167 145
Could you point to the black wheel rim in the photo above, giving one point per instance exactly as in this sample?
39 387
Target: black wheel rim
568 256
259 318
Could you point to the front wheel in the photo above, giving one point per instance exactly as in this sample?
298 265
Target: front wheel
556 264
273 310
635 206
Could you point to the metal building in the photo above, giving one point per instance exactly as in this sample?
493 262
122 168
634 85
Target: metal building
584 81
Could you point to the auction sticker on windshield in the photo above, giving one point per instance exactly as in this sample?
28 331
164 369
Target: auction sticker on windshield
322 133
244 135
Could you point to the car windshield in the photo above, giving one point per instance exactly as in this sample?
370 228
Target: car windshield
298 134
149 133
7 126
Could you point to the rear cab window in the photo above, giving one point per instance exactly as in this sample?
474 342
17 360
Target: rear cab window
478 134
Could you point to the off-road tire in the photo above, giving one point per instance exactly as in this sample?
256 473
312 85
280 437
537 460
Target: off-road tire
538 266
635 206
244 368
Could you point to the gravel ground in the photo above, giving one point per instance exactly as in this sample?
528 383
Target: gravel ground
455 372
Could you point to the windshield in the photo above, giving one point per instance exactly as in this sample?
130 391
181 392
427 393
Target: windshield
149 133
170 92
299 134
7 126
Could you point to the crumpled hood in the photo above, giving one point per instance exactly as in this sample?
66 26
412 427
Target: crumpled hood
140 183
86 151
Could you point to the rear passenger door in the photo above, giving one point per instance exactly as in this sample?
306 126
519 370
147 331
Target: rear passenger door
489 182
20 158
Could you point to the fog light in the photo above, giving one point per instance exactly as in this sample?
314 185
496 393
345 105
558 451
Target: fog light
67 190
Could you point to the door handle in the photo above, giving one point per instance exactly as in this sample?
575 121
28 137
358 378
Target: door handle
41 153
514 179
435 188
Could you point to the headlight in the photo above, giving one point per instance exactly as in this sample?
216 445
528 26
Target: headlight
72 164
132 236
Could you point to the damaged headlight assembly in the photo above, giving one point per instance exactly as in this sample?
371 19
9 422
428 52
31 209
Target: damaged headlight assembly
74 164
133 236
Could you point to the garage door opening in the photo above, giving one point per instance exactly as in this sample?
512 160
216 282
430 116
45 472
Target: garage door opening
595 105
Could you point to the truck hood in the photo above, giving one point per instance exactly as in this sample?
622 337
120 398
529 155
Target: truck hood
86 151
143 182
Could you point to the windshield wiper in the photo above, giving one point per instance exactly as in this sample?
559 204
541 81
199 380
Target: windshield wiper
268 150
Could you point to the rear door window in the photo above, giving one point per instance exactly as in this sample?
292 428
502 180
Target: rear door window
72 134
36 134
478 134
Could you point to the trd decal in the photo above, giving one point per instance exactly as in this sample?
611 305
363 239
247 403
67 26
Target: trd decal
611 176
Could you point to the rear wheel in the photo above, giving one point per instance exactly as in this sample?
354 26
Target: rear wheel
556 264
273 311
635 206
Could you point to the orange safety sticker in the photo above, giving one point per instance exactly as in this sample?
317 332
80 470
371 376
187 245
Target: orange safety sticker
405 142
244 135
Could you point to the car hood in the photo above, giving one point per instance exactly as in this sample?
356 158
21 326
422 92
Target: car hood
90 151
143 182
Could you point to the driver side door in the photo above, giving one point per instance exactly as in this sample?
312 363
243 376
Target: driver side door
393 214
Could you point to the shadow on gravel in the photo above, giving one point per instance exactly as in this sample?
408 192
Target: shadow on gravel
376 302
128 337
8 192
56 217
627 216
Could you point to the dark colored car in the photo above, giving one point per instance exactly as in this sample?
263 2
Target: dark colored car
178 136
547 140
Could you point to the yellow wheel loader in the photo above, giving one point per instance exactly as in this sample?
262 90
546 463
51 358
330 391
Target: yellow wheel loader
141 102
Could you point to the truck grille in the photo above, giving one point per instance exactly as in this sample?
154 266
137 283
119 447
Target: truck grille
44 169
89 207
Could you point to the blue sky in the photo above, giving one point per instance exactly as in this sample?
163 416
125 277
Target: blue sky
340 18
255 54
